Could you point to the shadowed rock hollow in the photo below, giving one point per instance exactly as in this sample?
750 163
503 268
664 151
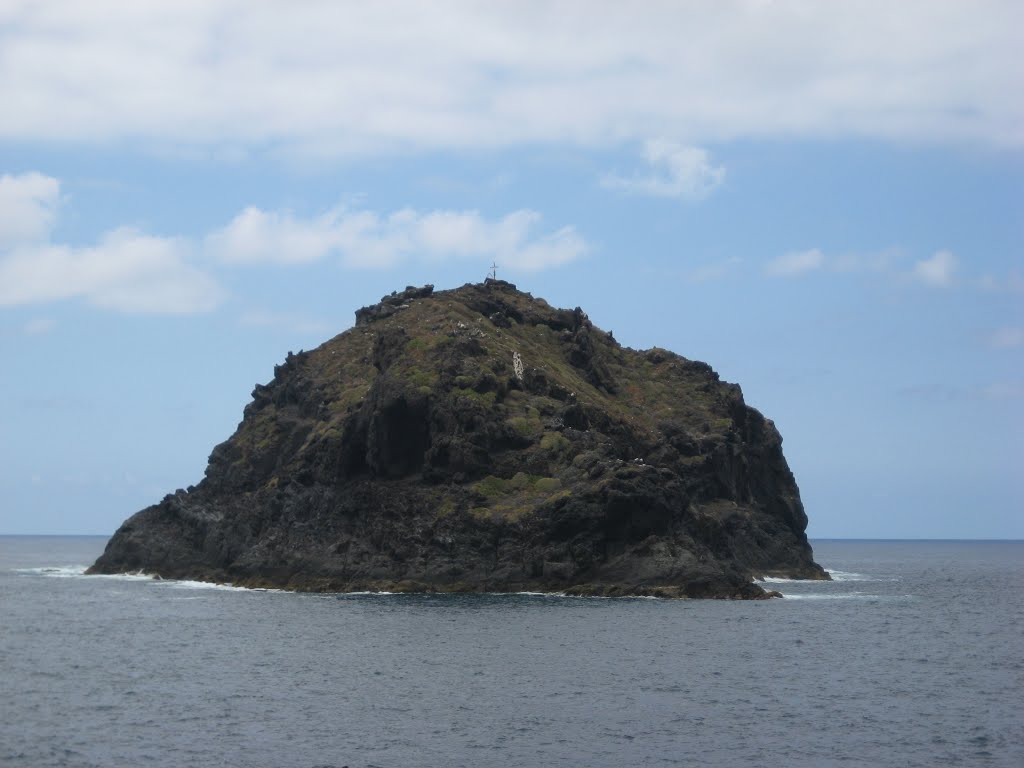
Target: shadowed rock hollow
479 439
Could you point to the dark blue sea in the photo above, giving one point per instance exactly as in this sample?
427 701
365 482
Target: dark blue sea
912 656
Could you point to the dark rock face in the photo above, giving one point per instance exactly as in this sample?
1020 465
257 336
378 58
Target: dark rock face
480 440
389 305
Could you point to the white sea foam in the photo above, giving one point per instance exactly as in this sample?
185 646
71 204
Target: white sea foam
525 593
186 584
836 576
55 571
848 576
846 596
137 576
561 595
78 571
825 596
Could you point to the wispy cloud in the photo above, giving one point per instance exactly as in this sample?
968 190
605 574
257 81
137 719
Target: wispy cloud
126 270
937 269
1012 283
718 270
796 263
36 326
287 321
28 207
39 326
674 170
369 240
1004 390
1006 338
339 78
131 271
886 260
256 236
997 390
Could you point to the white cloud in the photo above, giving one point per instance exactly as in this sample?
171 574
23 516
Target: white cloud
343 77
677 171
274 237
126 271
796 263
131 271
1006 338
877 261
369 240
936 270
28 207
39 326
1004 390
550 250
1012 283
714 271
939 270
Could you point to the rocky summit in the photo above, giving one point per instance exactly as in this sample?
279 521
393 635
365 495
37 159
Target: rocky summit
478 439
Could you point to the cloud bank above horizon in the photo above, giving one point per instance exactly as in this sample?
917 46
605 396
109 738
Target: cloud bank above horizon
331 79
134 272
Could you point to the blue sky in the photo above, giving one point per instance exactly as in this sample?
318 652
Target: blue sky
822 200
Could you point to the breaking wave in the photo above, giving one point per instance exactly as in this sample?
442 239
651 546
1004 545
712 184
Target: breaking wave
58 571
79 571
848 576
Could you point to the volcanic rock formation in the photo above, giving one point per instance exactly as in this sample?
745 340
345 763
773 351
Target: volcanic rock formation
479 439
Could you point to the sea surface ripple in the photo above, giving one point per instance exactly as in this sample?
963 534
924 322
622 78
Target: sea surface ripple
911 656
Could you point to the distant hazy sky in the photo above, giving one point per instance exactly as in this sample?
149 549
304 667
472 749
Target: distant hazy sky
823 200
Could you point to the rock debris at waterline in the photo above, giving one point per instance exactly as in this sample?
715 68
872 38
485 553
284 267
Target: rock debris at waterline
480 440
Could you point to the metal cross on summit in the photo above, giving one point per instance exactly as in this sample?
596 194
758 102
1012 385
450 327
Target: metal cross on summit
494 271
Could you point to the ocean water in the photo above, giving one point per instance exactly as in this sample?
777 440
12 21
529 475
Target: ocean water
913 656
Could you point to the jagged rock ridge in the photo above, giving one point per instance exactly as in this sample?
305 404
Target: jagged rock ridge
478 439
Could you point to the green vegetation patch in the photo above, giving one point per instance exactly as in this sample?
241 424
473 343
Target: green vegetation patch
527 426
485 400
492 486
446 507
555 442
512 498
418 377
548 485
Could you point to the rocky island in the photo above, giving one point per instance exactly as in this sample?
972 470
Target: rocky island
480 440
